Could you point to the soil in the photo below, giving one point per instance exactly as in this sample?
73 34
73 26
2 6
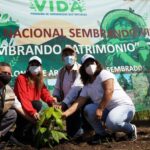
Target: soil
142 143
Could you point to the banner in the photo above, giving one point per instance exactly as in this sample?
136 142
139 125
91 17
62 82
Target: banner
116 32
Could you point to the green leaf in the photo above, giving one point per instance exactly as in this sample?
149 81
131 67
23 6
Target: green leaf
62 135
59 122
58 135
55 136
59 110
57 114
42 118
45 140
49 112
42 130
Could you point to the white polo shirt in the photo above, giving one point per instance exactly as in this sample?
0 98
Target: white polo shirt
95 91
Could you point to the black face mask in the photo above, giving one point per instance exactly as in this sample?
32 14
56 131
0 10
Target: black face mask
5 78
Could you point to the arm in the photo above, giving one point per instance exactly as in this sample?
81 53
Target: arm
73 92
108 87
24 114
56 92
76 105
46 96
17 106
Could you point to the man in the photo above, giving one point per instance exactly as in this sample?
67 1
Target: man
67 88
7 97
8 104
7 100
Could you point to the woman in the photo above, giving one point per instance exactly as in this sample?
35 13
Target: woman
30 89
110 102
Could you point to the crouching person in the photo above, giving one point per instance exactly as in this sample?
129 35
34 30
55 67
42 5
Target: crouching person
30 89
8 115
110 102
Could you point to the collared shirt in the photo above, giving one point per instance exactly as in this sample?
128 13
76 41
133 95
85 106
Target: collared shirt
70 86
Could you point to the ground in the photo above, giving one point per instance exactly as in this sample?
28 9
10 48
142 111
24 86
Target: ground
142 143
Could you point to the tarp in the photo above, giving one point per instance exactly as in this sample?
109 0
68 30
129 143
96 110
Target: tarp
116 32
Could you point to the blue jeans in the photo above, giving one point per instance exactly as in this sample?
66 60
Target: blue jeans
117 119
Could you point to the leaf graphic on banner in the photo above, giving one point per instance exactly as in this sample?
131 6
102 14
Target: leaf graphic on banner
4 16
14 61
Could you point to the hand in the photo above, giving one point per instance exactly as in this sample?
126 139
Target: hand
99 113
36 116
64 115
52 103
54 100
57 106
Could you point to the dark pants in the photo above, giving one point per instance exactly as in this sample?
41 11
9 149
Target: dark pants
25 130
7 121
73 123
77 121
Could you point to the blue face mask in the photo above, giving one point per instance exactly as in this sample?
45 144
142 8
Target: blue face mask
69 60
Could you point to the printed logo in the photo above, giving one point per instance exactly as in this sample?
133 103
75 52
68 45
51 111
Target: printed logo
58 7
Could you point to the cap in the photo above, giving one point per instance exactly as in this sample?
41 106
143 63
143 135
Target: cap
85 57
69 48
35 58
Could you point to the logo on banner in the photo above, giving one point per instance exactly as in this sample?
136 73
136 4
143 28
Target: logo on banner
58 7
7 24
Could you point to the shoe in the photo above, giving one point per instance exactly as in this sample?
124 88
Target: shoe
14 141
133 135
99 139
78 133
3 145
96 139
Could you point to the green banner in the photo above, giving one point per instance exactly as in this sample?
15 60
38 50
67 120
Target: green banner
116 32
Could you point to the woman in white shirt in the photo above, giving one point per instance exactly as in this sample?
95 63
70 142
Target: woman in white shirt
110 104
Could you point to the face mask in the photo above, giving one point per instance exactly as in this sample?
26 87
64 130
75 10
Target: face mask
5 78
90 70
69 60
35 70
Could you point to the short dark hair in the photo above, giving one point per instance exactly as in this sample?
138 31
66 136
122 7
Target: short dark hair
68 49
85 77
4 64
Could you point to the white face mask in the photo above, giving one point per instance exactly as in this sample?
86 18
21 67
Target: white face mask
34 70
69 60
90 70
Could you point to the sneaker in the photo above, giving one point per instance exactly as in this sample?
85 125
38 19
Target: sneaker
133 135
78 133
